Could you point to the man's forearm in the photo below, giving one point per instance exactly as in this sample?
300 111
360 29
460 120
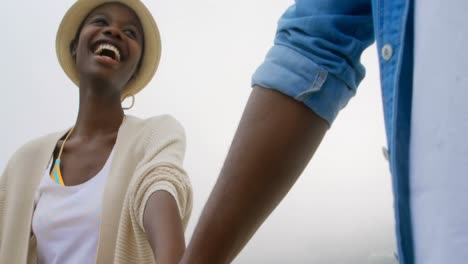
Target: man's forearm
275 140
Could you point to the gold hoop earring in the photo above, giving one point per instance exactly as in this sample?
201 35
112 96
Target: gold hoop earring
133 102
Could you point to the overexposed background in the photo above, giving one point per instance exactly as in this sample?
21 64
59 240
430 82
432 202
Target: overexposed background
340 210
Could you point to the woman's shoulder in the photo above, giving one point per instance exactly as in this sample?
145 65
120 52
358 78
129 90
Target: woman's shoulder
155 133
161 124
31 156
35 147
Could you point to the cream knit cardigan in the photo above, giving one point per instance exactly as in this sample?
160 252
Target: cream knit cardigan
148 156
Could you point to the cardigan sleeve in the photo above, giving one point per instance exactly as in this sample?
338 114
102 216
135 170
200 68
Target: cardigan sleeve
161 168
3 179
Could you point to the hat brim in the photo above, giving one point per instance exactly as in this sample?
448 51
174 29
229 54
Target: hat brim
152 42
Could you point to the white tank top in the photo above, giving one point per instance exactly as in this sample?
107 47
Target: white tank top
67 218
439 136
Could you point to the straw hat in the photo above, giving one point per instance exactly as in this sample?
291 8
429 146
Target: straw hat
69 28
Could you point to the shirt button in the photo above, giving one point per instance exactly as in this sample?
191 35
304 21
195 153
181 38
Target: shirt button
387 52
385 153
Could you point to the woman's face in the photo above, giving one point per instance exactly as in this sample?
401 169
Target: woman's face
109 46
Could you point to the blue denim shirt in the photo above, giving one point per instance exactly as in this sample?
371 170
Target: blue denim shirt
316 60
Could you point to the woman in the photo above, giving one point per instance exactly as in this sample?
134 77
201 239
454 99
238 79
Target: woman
111 189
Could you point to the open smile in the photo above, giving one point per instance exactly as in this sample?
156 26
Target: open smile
107 50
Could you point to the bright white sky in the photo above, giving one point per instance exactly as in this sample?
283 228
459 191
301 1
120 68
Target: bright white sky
340 210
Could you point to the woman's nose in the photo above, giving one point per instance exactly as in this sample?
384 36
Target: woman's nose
113 33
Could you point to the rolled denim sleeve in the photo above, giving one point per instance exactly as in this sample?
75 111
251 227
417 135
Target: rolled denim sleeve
316 54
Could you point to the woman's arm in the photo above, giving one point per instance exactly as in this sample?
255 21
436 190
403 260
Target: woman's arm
162 199
163 226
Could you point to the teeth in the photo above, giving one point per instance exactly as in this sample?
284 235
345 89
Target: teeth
110 47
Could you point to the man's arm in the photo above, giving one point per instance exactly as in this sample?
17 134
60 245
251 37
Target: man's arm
311 73
275 140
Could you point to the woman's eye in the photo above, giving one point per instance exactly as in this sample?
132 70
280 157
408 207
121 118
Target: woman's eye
100 22
131 33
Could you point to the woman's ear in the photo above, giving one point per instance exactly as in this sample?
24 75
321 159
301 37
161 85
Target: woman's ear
73 46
